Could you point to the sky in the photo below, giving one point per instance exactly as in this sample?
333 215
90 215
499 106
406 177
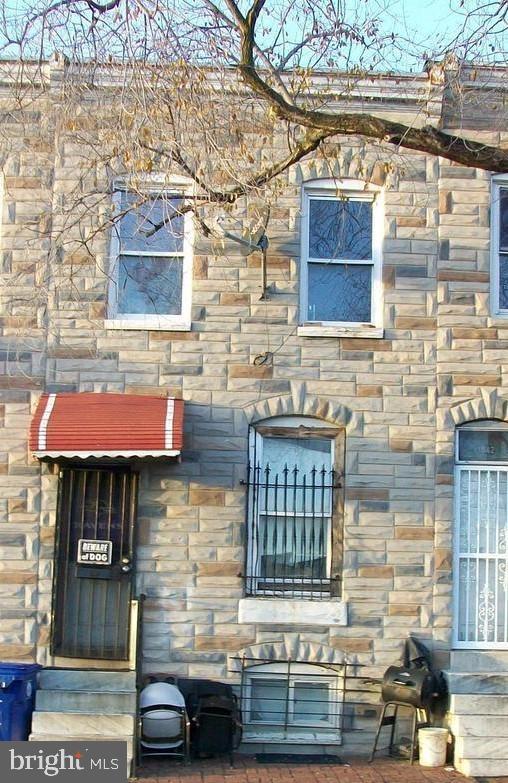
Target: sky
421 26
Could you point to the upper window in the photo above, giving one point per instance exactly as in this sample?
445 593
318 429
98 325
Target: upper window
499 243
151 262
292 538
341 254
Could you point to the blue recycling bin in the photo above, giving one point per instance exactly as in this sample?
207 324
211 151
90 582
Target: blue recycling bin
18 683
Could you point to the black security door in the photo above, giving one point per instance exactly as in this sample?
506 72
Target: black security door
93 569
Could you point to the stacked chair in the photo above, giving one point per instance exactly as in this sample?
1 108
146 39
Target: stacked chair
164 728
214 714
186 716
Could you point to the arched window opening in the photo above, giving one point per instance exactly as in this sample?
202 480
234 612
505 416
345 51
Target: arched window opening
293 506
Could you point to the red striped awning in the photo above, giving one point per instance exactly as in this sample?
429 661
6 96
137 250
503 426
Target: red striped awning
106 425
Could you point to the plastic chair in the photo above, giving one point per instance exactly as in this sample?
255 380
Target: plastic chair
164 727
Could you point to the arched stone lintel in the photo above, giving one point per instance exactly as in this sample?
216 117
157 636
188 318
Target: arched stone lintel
299 403
292 648
490 405
362 164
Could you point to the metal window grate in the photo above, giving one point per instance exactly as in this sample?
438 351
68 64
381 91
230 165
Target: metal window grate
289 529
299 701
481 557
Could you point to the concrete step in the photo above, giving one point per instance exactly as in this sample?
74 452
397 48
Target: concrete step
79 724
474 704
483 726
479 661
492 683
87 680
101 702
481 747
473 768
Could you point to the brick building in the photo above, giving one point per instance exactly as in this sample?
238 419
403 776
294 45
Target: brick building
337 430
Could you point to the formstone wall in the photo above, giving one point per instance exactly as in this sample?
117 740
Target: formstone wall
398 398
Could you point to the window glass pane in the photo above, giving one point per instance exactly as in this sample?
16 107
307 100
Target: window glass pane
486 446
136 226
150 286
503 219
292 547
306 453
503 282
297 472
340 229
311 702
268 700
339 292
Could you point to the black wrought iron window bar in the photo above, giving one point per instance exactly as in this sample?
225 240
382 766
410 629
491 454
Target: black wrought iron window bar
291 700
289 528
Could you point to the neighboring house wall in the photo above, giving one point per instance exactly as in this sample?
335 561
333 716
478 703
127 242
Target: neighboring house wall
396 397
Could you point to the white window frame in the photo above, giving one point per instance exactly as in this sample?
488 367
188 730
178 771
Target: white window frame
338 190
297 731
292 425
498 184
465 466
179 187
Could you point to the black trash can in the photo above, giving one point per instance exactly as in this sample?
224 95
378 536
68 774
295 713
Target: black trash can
18 683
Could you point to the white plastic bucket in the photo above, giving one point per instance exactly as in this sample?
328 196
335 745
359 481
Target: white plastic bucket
432 743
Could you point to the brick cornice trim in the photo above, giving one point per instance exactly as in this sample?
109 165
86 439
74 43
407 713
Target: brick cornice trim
300 403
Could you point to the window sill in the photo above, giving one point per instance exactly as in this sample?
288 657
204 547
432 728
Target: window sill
319 330
149 324
292 611
292 736
498 319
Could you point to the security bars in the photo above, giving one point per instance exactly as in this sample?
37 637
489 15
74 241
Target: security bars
289 527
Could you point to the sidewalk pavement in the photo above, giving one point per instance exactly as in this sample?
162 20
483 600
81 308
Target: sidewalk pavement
248 770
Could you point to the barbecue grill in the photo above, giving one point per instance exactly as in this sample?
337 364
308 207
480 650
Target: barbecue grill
411 686
414 685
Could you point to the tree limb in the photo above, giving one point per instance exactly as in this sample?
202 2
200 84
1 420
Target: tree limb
427 139
309 143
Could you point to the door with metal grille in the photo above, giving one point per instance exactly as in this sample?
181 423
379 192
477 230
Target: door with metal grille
93 568
481 557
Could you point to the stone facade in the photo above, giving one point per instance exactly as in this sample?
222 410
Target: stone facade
440 362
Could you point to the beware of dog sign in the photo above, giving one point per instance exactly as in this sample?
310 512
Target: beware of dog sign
93 552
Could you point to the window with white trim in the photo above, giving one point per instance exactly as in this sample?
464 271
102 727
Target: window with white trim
293 535
341 254
480 564
151 262
291 702
499 247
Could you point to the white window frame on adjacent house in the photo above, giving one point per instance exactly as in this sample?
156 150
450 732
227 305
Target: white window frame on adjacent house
340 190
179 187
498 184
291 730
